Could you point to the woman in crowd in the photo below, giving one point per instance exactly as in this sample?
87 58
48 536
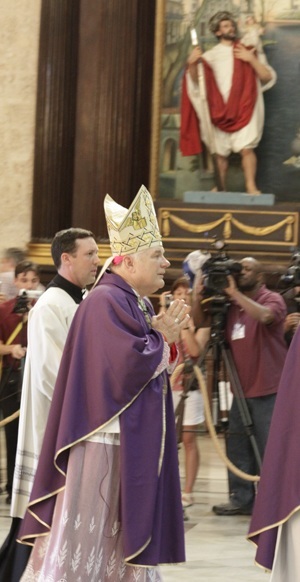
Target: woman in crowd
190 347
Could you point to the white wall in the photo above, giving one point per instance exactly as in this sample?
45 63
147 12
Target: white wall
19 41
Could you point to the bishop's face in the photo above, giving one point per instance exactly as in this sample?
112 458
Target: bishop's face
149 270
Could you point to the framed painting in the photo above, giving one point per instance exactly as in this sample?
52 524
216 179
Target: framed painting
277 26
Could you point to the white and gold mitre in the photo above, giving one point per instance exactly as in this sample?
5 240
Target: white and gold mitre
134 229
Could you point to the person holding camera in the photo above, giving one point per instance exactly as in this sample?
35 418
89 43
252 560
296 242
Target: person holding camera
254 332
193 415
8 262
13 342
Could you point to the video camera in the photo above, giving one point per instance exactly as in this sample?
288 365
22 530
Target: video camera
292 276
216 270
23 299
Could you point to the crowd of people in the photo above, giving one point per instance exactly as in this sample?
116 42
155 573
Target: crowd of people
96 382
92 463
155 345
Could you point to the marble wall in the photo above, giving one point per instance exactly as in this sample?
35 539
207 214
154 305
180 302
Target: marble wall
19 40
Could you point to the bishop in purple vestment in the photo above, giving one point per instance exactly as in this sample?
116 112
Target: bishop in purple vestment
109 459
278 497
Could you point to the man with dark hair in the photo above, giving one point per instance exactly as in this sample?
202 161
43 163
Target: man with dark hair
13 342
65 241
27 275
10 258
254 332
75 255
235 77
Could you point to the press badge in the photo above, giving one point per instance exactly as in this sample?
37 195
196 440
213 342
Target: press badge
238 331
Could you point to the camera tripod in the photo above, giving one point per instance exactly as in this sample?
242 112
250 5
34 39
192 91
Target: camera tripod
222 358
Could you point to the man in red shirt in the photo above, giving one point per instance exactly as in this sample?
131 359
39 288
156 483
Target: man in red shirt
13 341
254 332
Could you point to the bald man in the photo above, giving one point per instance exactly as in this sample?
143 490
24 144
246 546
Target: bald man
254 332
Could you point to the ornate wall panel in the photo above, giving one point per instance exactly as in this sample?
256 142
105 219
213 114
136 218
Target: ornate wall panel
270 235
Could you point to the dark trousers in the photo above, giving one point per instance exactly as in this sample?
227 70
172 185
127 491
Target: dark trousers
13 556
239 448
10 393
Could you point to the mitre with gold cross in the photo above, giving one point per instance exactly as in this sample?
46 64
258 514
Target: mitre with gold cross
134 229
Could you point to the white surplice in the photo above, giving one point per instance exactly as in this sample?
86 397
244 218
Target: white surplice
48 326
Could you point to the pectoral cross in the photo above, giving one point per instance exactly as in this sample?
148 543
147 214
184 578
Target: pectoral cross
142 305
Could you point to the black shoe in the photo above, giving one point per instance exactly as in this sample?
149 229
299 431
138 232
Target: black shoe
8 499
231 509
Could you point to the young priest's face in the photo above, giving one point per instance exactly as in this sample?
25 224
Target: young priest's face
83 263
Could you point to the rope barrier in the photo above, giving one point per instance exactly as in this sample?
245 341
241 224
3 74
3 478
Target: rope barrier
9 418
209 421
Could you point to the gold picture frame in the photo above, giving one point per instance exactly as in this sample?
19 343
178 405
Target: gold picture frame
157 95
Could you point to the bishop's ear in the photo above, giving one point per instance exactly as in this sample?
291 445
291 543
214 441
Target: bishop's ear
129 262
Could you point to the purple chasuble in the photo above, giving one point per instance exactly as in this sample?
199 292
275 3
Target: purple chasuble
109 359
279 487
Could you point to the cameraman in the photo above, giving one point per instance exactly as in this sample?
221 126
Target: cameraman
255 334
13 342
292 320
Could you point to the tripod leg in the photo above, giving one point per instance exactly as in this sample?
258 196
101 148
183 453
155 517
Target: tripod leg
240 452
215 385
241 401
179 411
